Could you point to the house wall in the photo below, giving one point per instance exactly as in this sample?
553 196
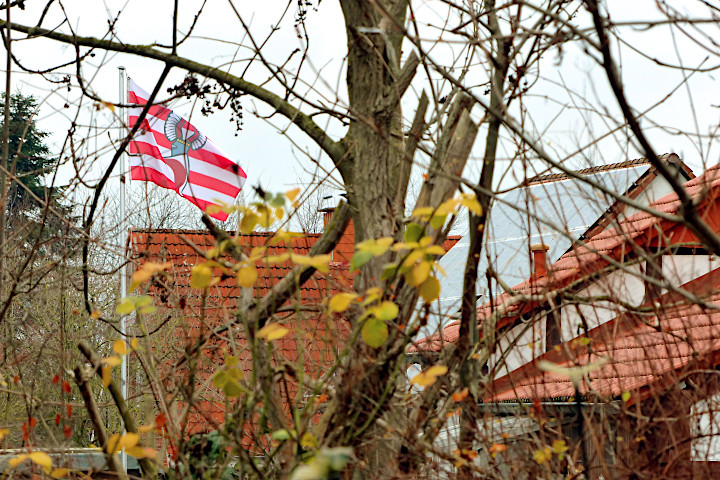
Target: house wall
519 346
658 188
526 341
705 425
680 269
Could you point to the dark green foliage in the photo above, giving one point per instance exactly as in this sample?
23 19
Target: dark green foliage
29 157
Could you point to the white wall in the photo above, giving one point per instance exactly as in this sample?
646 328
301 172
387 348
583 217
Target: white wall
680 269
530 344
658 188
620 285
705 429
525 342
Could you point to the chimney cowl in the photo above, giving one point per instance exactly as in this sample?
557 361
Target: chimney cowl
328 203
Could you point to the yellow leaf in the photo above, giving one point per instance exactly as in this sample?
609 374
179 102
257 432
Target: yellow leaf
120 347
109 105
422 212
425 241
134 343
341 302
308 440
248 222
542 455
437 370
95 314
42 459
275 259
626 397
447 207
15 461
59 473
292 194
413 257
201 276
141 452
272 331
112 361
139 277
247 276
423 380
470 202
374 332
3 432
117 442
418 274
583 341
435 250
146 428
429 376
559 447
125 306
430 289
372 294
106 374
375 247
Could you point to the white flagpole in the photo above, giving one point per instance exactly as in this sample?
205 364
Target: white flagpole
123 235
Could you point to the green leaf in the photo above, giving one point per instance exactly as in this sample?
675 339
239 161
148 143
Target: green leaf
374 332
386 311
413 232
232 388
280 435
389 271
147 310
626 397
143 300
438 221
278 200
220 379
127 305
359 259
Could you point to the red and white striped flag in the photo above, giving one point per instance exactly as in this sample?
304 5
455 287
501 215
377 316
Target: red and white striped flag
172 153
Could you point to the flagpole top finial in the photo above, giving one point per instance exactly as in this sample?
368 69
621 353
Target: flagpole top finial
121 67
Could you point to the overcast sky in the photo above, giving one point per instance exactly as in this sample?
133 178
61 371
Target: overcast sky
569 83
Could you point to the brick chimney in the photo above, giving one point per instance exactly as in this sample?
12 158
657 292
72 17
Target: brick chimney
539 251
344 250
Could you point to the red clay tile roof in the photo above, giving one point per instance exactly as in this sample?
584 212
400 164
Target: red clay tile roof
313 343
167 245
641 230
638 354
174 246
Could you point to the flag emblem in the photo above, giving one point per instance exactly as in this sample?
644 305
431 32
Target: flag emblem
172 153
